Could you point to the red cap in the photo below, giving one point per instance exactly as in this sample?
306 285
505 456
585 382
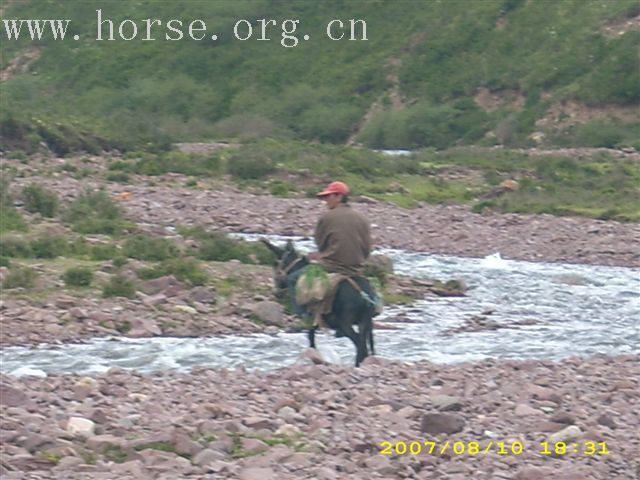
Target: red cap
334 187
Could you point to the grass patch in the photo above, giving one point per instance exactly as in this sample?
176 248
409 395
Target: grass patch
78 277
95 212
38 199
20 277
186 270
147 247
119 286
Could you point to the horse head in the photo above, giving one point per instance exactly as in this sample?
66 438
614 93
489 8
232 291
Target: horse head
288 260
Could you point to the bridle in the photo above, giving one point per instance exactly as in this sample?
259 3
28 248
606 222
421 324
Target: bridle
282 270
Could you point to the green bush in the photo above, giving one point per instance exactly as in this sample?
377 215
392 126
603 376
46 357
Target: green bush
78 277
10 218
146 247
119 286
119 177
221 248
95 212
103 252
4 262
15 247
119 261
49 246
40 200
250 166
20 277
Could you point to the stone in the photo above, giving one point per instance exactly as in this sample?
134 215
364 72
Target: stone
186 309
253 446
257 423
271 313
568 434
607 420
435 423
81 427
533 473
523 410
11 397
143 327
207 457
257 474
160 284
446 403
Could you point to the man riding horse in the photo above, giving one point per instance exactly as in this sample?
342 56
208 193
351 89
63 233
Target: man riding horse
343 238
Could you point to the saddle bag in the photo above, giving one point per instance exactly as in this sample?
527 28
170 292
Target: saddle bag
313 285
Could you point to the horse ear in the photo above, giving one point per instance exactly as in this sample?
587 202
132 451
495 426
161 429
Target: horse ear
276 250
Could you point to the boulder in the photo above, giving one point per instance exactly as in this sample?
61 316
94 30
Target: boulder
80 427
435 423
271 313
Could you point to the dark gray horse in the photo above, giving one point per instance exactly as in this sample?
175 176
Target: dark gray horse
350 307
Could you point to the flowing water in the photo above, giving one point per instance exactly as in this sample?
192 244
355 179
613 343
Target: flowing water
551 310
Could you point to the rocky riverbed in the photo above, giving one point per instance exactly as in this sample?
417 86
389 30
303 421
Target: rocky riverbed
319 421
448 229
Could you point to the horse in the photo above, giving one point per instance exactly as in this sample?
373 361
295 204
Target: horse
350 307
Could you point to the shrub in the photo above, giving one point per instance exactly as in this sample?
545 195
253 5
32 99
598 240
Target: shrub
95 212
4 262
119 177
249 166
78 277
221 248
10 218
146 247
103 252
49 247
119 261
40 200
119 286
20 277
15 247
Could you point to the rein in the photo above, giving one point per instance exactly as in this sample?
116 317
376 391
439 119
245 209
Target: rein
281 271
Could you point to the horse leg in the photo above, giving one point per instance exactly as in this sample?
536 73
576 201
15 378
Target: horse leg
312 336
358 340
368 333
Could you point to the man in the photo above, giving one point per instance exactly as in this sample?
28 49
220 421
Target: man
342 234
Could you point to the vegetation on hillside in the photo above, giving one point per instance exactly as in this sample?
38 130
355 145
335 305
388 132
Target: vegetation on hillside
416 79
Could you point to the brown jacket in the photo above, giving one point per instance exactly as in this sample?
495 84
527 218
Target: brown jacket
344 240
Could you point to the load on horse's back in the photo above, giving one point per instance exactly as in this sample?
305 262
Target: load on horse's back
345 304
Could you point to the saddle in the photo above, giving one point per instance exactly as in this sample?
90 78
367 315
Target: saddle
316 291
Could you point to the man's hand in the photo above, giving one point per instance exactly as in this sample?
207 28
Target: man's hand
314 256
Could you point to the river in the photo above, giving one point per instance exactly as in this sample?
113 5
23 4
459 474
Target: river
549 310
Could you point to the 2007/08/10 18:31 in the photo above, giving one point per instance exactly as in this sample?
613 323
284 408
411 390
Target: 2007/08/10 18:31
500 448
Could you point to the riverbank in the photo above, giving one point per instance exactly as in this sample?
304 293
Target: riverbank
259 426
445 229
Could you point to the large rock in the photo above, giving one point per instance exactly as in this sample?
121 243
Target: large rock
165 284
446 403
80 427
435 423
271 313
568 434
143 327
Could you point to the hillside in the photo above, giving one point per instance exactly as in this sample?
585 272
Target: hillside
430 74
